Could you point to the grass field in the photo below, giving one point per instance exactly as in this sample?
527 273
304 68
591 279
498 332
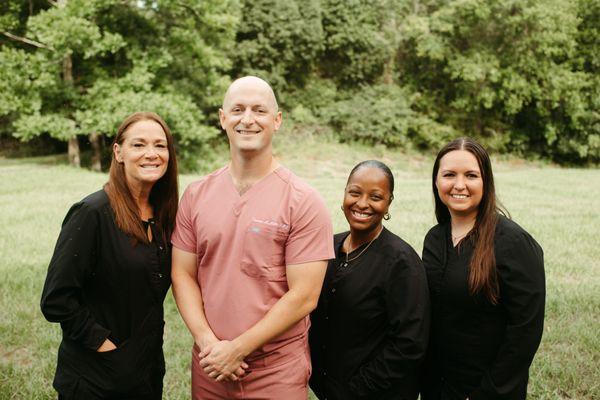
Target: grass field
559 207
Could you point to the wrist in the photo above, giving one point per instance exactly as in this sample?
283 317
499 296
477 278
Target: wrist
204 339
241 347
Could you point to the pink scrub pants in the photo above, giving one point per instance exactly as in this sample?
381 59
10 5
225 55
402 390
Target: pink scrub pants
265 379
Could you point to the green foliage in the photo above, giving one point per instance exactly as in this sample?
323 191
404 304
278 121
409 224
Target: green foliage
521 76
385 114
94 62
72 29
502 71
22 77
356 48
278 40
374 114
197 47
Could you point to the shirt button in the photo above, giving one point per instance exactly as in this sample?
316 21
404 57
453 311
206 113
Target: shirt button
333 290
326 317
160 275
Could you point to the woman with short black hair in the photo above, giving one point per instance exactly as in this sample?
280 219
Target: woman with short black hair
370 328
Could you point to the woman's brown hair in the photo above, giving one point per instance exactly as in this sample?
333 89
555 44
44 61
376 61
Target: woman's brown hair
482 268
164 195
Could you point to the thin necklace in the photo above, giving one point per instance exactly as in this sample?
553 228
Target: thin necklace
345 263
457 237
460 236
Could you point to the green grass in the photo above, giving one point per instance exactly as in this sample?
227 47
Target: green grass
560 207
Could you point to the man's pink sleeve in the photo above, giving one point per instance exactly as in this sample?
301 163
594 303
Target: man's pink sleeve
311 234
184 236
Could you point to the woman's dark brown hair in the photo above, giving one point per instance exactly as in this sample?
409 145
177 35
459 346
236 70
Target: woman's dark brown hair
482 268
164 195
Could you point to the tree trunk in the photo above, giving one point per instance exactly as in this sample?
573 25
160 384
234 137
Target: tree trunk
74 158
67 75
392 33
388 69
96 151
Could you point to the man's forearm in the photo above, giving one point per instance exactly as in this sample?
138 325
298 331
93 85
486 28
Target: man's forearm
287 311
191 307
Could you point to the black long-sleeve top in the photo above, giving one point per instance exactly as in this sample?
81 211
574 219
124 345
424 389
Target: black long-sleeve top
370 329
478 349
101 284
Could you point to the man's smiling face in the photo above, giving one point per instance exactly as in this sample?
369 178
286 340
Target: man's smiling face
249 115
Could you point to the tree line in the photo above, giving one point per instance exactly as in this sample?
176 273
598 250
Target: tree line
519 75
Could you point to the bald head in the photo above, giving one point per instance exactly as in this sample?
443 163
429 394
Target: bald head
251 85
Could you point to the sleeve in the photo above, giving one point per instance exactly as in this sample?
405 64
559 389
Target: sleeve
434 247
184 235
522 288
407 305
70 267
311 233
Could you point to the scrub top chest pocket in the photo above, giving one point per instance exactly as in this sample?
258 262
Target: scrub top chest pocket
263 254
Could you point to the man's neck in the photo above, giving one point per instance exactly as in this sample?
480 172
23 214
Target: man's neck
247 170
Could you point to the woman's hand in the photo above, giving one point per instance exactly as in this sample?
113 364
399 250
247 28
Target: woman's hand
106 346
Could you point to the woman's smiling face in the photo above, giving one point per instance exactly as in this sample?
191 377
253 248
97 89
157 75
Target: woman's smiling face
367 199
459 183
144 153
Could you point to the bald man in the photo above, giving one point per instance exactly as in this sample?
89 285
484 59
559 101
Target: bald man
250 250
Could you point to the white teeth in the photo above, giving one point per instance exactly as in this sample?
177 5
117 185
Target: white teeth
459 196
360 215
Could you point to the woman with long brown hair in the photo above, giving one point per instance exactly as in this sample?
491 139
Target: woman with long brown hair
487 285
110 271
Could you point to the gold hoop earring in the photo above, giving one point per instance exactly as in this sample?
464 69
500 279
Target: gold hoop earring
342 208
387 216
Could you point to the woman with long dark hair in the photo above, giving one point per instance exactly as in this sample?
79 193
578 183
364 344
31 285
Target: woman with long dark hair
110 271
487 285
370 328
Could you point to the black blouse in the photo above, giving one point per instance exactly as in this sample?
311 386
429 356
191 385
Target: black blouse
100 284
478 349
370 328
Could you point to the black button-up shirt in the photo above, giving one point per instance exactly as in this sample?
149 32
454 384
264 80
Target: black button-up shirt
370 328
479 349
101 284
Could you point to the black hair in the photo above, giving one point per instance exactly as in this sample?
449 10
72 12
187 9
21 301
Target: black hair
379 165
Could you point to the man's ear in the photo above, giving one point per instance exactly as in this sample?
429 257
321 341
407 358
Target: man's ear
222 117
278 120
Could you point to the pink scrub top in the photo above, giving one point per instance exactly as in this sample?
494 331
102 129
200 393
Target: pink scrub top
244 242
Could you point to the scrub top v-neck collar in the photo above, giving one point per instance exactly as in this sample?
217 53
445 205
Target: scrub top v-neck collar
241 199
